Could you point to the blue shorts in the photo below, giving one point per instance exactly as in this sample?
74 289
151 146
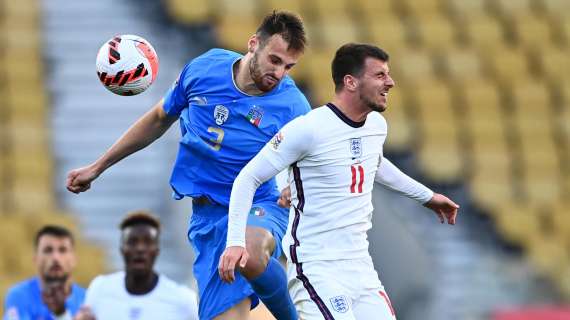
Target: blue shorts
207 233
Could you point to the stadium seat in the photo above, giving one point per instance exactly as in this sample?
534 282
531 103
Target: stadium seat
388 33
239 9
463 65
548 256
518 223
461 9
296 6
554 63
337 30
234 32
410 67
326 9
435 32
484 33
320 77
374 10
510 8
424 8
190 11
400 126
509 66
530 30
559 214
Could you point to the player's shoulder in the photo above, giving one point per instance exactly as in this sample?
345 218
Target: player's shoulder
216 55
377 120
115 279
23 289
169 286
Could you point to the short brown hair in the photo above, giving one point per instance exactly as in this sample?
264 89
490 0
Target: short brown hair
140 217
349 60
53 230
286 24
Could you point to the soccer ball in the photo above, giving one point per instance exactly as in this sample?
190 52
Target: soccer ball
127 65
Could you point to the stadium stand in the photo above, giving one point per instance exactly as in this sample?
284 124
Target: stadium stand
27 200
483 99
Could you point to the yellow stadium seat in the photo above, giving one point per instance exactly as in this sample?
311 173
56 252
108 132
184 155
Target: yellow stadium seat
374 10
559 214
389 34
565 29
295 6
436 32
510 8
90 263
530 30
556 9
190 11
243 9
320 77
413 66
472 9
509 66
234 32
342 31
326 9
491 184
554 62
484 33
518 223
548 256
463 65
424 8
400 127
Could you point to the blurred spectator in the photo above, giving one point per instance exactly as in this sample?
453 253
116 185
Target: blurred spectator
138 292
51 294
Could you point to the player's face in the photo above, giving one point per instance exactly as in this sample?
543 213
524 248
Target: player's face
271 61
375 83
139 248
54 258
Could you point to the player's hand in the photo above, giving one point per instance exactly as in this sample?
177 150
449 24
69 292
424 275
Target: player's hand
443 207
53 296
229 260
285 198
79 180
84 313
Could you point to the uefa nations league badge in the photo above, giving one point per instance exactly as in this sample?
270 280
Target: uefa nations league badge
221 114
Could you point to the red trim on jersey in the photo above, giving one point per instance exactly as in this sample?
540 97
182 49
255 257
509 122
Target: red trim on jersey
361 172
385 296
353 185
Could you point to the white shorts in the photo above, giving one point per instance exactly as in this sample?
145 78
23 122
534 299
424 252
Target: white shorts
338 289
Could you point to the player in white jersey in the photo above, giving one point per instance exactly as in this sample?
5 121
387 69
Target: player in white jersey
334 155
138 293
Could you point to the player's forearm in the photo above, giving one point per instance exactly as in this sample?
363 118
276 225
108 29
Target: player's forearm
256 172
142 133
391 177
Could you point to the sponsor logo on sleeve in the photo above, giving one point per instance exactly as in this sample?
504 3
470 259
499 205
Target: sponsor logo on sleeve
276 140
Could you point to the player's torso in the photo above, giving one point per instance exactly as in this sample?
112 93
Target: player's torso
333 184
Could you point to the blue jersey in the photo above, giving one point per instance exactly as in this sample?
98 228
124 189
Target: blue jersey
24 301
222 127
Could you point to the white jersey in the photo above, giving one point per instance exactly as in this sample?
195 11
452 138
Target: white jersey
109 299
333 165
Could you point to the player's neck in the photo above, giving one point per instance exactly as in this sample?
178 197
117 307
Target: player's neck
353 110
66 285
138 284
242 77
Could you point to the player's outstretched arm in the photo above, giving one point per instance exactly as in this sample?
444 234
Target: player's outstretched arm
143 132
444 207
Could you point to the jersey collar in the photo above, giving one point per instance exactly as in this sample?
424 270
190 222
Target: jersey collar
344 118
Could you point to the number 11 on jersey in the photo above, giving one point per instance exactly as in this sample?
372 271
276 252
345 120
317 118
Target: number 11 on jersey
357 178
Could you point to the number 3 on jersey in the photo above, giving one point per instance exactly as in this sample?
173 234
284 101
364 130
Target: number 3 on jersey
357 178
216 143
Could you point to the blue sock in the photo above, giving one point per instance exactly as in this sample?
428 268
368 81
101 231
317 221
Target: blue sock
271 288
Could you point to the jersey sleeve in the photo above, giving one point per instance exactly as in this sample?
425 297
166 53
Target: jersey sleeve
92 294
175 99
302 107
391 177
290 144
14 307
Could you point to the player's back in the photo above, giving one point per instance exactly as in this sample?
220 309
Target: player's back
331 186
222 127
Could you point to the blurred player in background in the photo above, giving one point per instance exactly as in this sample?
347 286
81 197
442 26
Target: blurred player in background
229 106
138 292
334 155
51 294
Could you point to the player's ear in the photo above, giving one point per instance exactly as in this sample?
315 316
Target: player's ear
252 43
350 82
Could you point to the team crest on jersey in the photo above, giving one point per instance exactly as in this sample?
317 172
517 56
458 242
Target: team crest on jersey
340 304
276 140
257 211
356 147
254 115
221 114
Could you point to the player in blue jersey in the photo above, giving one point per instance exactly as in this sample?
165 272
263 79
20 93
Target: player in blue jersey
229 106
51 294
